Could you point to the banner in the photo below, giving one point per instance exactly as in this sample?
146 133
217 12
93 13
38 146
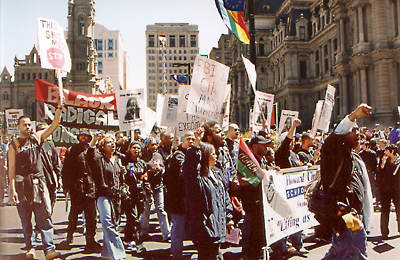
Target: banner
286 120
52 46
316 117
327 109
251 72
285 208
208 88
12 116
131 108
266 102
248 166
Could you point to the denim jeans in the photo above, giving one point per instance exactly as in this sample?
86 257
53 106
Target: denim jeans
177 234
348 245
158 196
43 223
113 246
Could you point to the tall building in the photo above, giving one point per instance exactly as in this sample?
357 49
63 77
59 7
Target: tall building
179 52
304 45
222 53
111 57
80 39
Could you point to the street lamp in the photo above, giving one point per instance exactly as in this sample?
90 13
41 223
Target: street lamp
187 64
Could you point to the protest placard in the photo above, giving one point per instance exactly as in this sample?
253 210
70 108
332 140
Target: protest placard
12 116
263 105
53 48
286 120
185 121
208 88
130 107
398 109
285 207
316 117
169 112
225 112
327 109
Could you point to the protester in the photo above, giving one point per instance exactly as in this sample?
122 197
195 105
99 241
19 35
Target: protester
395 134
154 171
389 187
305 154
133 197
175 198
207 204
344 176
28 184
231 141
107 172
81 187
165 145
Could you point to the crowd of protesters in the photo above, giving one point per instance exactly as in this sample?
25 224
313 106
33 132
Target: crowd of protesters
198 194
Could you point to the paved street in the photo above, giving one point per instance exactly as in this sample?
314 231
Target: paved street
11 240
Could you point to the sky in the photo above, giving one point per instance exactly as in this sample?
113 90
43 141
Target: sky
130 17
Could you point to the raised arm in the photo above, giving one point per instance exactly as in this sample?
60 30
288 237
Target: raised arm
53 126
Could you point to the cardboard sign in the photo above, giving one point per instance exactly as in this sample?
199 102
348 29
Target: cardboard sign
285 207
208 88
12 116
53 48
185 121
327 109
316 117
226 106
286 120
169 112
131 105
263 104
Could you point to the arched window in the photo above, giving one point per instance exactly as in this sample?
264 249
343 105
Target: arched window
81 27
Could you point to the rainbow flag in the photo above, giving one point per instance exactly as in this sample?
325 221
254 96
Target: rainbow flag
231 12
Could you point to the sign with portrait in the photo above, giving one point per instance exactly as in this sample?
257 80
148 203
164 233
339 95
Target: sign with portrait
130 108
263 107
327 109
286 120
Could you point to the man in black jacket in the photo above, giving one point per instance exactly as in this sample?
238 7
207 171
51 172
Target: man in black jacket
81 188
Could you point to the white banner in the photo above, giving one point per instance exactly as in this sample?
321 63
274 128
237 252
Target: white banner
185 122
266 101
398 108
316 117
286 120
285 208
251 72
327 109
52 46
208 88
12 116
226 107
131 108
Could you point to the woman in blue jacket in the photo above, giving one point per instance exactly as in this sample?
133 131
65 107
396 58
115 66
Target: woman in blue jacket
207 204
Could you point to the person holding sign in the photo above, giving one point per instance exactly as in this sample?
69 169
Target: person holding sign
28 183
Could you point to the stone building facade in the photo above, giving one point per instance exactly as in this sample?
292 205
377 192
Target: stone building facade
304 45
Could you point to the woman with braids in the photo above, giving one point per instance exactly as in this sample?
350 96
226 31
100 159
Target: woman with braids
207 204
107 171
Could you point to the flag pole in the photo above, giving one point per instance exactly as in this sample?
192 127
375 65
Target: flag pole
60 85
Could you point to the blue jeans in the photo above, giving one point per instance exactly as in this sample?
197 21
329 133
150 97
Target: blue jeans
113 246
158 196
348 245
177 234
43 223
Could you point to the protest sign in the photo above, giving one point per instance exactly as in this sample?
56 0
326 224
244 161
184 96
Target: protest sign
263 105
169 112
285 207
185 121
208 88
286 120
327 109
53 48
398 109
82 112
251 72
316 117
130 104
12 116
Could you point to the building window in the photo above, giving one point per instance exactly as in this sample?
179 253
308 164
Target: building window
181 40
22 76
261 47
110 55
81 27
100 55
100 67
193 41
34 76
46 75
99 44
151 40
40 75
302 33
5 96
171 41
28 76
110 44
303 69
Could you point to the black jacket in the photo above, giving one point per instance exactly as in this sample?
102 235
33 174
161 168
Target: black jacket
284 157
174 182
51 165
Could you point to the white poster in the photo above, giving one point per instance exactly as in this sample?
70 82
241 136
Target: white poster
226 111
12 116
286 120
251 72
185 122
263 106
285 208
398 108
316 117
169 112
208 88
52 46
130 108
327 109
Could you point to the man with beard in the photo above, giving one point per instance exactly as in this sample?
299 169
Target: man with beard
81 188
28 184
132 110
